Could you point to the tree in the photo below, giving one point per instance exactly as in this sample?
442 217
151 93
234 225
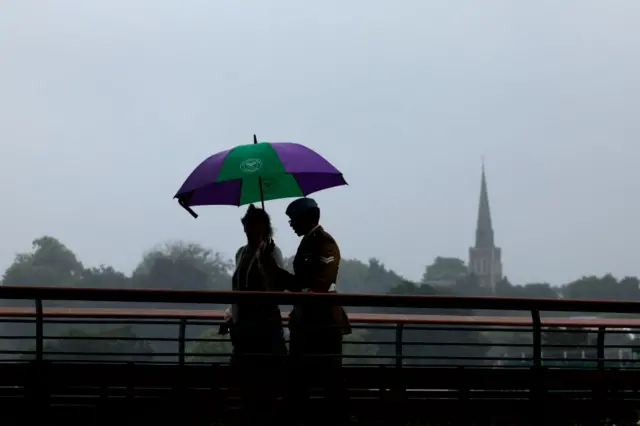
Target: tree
534 290
50 263
606 287
445 269
180 265
628 288
103 277
379 279
211 348
352 276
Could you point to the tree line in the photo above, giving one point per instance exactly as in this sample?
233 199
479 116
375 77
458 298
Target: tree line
189 266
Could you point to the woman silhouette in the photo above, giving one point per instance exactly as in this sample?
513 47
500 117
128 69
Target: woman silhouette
255 327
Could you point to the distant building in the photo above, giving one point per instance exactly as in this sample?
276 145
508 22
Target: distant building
485 258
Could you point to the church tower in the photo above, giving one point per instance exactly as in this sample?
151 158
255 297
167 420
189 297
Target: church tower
484 257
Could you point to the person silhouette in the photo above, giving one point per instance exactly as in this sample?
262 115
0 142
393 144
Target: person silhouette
255 327
316 328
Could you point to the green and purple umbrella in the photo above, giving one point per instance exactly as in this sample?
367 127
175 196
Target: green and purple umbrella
257 172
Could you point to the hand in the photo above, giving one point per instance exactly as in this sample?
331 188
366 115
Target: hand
267 248
228 316
265 254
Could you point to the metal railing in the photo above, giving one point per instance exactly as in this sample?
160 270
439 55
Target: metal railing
189 336
96 356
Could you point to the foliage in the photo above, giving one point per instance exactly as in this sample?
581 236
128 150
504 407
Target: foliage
212 347
180 265
116 344
50 263
103 277
183 265
445 269
357 348
603 288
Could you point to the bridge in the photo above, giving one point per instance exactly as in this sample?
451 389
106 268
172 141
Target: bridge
106 356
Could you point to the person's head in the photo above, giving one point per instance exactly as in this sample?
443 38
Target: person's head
257 224
304 214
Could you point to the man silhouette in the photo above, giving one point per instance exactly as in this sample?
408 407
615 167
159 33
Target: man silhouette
316 328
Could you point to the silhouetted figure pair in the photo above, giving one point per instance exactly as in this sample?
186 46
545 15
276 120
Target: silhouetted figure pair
316 328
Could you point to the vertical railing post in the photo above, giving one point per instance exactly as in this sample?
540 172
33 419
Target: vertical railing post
537 338
600 389
40 379
537 379
600 347
399 345
182 337
398 387
39 331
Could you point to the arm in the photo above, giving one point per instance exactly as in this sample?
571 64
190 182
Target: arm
279 278
272 278
230 313
277 256
272 266
239 256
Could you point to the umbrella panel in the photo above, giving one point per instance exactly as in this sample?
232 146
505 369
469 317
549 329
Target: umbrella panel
239 192
249 161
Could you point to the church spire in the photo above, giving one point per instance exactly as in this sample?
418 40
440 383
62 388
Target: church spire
484 230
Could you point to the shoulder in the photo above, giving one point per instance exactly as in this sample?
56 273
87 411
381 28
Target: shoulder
321 234
277 253
322 238
239 252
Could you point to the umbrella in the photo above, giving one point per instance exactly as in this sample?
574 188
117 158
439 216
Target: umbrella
257 172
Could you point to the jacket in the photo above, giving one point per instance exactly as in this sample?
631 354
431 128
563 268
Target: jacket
315 269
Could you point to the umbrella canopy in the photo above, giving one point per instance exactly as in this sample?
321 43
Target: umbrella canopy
258 172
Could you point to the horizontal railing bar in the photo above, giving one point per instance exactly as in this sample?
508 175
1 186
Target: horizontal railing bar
346 342
116 321
344 356
377 342
373 300
162 316
112 339
174 354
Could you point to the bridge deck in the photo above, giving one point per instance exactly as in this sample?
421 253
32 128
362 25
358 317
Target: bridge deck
158 392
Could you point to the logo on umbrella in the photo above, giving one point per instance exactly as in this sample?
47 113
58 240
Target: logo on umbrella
251 165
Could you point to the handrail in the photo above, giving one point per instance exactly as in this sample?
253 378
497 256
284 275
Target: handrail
356 318
533 306
371 300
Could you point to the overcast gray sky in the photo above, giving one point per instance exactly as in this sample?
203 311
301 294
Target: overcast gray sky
107 105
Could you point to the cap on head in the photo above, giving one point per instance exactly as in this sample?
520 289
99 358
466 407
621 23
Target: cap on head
300 205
